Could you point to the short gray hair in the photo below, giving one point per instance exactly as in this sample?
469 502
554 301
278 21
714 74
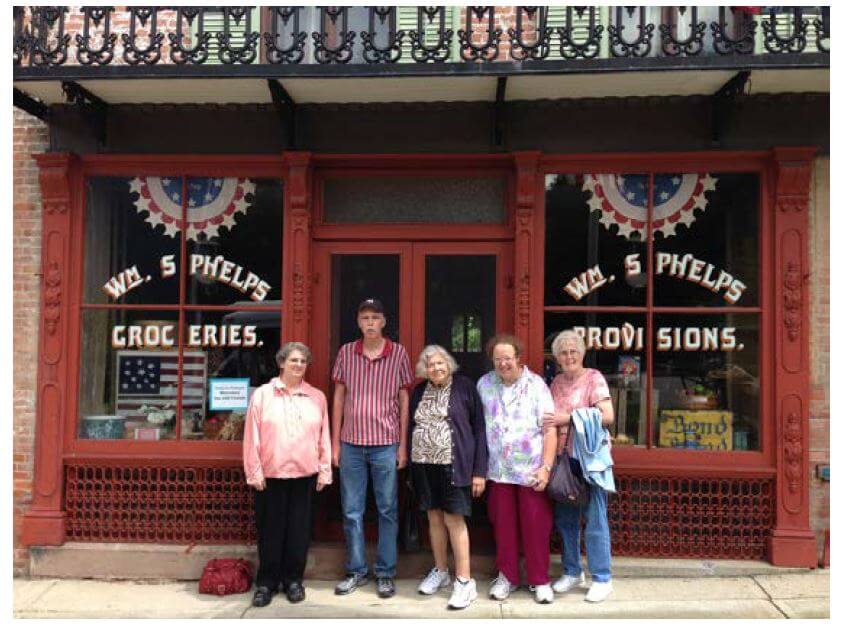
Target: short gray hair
566 336
292 346
428 352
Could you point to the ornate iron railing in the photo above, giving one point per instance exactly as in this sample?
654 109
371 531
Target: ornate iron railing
149 36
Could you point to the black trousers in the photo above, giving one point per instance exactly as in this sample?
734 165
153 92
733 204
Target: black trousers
284 523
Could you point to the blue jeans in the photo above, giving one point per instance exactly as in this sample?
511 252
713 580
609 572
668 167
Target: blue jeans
354 463
596 535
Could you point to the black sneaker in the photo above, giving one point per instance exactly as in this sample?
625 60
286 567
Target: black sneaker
350 583
295 592
385 587
262 597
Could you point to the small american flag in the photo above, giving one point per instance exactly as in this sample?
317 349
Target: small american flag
151 378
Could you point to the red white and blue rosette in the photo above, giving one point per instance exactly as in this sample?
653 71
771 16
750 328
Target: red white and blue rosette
623 200
211 203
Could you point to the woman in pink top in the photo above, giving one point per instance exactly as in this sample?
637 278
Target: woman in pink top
286 454
577 387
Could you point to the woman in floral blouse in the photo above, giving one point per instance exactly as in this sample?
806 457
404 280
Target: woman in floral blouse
520 456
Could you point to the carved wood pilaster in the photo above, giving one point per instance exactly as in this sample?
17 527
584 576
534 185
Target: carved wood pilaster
527 296
792 540
297 282
43 524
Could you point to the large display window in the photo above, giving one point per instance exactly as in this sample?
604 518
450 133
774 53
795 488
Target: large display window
660 274
181 308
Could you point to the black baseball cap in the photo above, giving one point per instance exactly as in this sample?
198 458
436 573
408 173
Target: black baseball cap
371 304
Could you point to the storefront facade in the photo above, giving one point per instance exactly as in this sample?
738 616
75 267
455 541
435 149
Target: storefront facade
177 257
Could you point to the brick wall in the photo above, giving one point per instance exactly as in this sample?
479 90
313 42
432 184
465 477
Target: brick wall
29 136
819 351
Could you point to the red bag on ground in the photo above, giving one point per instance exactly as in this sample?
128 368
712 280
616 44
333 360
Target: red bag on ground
225 576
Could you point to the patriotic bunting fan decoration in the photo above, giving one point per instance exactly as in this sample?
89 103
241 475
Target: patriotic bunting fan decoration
211 202
623 200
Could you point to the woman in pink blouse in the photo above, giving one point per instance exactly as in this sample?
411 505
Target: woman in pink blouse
577 387
286 453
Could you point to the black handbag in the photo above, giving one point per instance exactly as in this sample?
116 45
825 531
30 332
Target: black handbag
565 486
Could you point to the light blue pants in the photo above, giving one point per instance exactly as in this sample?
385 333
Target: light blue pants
596 534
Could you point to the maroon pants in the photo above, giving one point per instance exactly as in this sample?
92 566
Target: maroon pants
521 519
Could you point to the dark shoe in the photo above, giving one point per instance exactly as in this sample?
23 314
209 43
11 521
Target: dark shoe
295 592
385 587
262 597
350 583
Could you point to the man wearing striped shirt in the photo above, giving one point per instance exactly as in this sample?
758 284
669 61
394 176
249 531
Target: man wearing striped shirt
370 428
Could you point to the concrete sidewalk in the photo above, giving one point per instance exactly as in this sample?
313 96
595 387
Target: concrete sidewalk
786 595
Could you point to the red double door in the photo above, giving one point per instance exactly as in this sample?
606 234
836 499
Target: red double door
454 294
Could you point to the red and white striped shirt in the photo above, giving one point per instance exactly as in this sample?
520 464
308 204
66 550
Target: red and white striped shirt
371 415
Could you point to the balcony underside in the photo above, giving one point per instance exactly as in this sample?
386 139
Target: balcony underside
428 82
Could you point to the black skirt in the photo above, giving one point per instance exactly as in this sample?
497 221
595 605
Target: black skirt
434 489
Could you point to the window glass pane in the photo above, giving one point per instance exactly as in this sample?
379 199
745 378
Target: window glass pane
234 240
707 253
129 376
237 350
414 200
616 347
595 239
706 377
132 244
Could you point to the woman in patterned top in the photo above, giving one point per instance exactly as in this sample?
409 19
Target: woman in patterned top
449 459
520 454
581 387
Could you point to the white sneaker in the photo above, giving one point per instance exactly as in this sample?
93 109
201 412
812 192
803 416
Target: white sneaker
543 593
501 587
463 594
566 583
599 591
435 580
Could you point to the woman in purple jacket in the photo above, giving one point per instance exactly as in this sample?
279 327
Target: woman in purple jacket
449 457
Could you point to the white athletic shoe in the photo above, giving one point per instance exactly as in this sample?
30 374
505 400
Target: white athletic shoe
435 580
543 593
599 591
501 587
566 583
463 594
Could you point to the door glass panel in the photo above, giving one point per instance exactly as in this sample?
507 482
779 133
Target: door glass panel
356 277
461 307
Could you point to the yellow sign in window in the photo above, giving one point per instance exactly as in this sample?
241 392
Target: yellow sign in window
696 430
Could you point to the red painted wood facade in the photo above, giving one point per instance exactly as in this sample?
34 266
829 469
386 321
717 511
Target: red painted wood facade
785 178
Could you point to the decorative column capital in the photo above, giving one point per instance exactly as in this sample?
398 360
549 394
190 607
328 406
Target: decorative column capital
793 178
297 165
526 163
54 178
